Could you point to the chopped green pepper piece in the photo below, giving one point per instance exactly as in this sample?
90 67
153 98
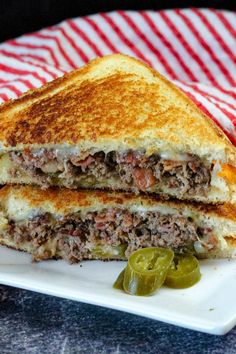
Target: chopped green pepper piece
146 270
119 281
106 251
183 272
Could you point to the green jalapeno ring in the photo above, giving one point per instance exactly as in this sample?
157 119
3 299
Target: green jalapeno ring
183 273
146 270
119 281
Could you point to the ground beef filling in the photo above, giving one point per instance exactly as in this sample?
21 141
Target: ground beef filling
75 237
133 169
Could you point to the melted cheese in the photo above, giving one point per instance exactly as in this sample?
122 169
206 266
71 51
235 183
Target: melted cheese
175 156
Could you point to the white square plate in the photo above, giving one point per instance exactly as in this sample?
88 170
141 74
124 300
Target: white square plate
209 306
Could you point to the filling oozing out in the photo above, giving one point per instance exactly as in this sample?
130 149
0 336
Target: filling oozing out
133 169
110 234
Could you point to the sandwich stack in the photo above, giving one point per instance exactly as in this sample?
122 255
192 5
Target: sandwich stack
111 158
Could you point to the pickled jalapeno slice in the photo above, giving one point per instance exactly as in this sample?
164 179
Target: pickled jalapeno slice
119 281
183 272
146 270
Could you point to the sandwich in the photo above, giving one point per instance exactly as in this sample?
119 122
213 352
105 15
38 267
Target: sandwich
89 224
116 124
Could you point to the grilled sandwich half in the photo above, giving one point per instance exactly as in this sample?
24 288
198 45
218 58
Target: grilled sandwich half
116 124
76 225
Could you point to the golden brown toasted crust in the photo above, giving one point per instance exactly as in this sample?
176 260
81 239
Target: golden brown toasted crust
63 201
225 211
231 241
114 98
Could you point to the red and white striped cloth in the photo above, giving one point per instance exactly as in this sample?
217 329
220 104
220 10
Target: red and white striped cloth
195 48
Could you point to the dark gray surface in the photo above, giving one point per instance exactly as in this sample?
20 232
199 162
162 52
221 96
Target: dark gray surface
18 17
36 323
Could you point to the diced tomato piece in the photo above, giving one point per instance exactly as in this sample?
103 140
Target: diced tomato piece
143 178
83 163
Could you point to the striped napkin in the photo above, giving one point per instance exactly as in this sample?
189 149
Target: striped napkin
195 48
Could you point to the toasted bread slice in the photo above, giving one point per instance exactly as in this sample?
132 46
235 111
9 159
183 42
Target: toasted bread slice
76 225
116 105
